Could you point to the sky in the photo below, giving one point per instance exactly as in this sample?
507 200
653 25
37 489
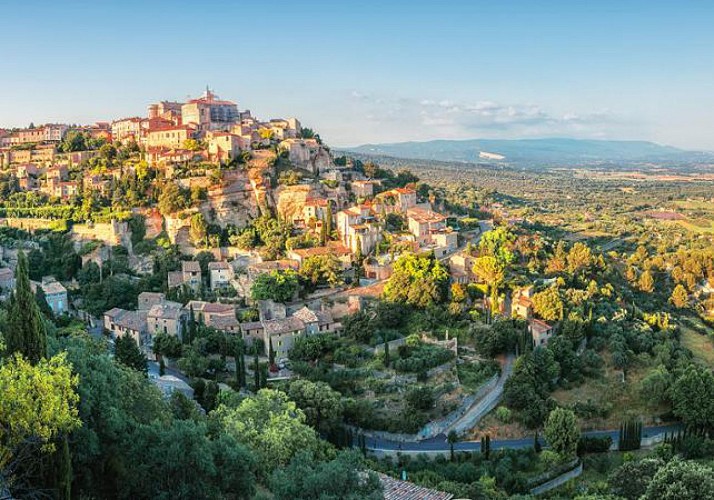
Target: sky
374 71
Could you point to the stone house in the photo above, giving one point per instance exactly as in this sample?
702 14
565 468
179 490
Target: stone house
167 317
55 294
221 274
540 331
359 229
119 322
343 254
190 276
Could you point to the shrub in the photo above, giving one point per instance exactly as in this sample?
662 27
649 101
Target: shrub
589 444
504 415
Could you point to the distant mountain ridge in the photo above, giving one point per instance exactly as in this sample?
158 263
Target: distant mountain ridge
546 151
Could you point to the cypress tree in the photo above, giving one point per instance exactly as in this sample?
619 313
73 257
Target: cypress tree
240 371
256 371
328 221
26 333
386 352
323 233
271 352
64 471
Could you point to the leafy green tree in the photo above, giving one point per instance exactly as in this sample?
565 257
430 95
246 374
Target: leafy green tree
631 479
321 404
223 465
420 397
271 425
420 281
312 348
167 345
681 480
279 286
579 258
309 478
498 244
500 337
39 402
129 354
562 432
654 388
192 362
170 199
680 297
527 389
646 282
26 332
198 230
693 397
547 304
452 438
319 270
492 272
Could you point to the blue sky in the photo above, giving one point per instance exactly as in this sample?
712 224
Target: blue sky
375 71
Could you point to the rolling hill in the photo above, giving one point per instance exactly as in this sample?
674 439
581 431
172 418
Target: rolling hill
535 151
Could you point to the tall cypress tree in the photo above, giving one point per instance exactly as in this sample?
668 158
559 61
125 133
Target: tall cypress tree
271 352
328 222
256 372
26 329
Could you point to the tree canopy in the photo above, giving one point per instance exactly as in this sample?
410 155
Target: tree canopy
417 280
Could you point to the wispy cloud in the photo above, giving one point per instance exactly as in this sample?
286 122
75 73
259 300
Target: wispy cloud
396 119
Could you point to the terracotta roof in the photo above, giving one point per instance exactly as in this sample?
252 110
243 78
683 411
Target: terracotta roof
421 215
191 266
280 326
524 301
175 279
217 308
328 250
306 315
153 296
53 287
224 322
215 266
539 326
131 320
6 274
395 489
252 325
165 311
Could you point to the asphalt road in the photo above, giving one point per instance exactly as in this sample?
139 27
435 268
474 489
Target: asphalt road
439 443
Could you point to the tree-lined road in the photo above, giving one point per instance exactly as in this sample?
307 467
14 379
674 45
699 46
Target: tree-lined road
439 443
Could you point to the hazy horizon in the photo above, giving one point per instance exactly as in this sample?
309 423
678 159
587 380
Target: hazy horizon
374 73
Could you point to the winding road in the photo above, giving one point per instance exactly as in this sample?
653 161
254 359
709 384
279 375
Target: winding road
479 410
439 443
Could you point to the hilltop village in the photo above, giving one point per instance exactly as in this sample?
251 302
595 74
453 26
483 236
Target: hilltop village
231 282
214 182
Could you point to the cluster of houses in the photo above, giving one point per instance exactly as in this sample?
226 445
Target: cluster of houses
203 129
276 328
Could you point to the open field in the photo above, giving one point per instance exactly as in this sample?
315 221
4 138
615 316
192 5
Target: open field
701 345
616 400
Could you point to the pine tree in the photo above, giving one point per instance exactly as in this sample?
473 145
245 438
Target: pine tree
129 354
26 332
